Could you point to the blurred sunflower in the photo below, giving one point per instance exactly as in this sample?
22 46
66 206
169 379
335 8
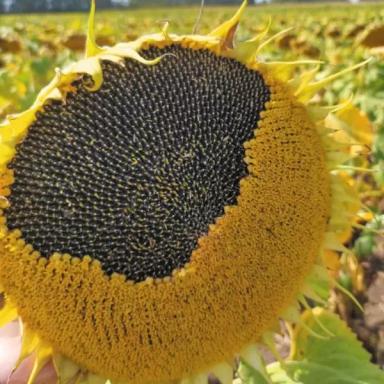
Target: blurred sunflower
164 202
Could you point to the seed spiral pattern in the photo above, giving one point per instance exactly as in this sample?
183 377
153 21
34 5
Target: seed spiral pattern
134 173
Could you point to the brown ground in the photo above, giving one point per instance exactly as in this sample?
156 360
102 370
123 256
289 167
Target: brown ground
369 326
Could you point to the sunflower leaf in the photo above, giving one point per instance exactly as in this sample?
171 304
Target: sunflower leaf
340 359
250 375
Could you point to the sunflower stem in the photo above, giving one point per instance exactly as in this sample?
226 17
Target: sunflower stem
196 27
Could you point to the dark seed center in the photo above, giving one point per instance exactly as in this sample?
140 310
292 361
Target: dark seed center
133 174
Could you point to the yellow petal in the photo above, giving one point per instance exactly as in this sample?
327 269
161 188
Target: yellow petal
321 112
333 243
283 69
305 93
7 314
300 82
43 354
91 48
125 50
356 124
164 31
273 38
90 66
247 50
6 153
30 343
225 31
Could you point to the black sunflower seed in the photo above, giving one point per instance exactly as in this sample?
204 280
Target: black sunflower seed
134 173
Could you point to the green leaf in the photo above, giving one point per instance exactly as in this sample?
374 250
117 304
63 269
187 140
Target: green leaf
250 375
364 245
337 359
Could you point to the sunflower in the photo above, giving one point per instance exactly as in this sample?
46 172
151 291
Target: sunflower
163 203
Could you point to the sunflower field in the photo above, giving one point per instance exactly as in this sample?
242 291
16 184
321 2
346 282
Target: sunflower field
310 324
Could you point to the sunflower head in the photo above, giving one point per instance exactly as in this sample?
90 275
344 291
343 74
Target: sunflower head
163 203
